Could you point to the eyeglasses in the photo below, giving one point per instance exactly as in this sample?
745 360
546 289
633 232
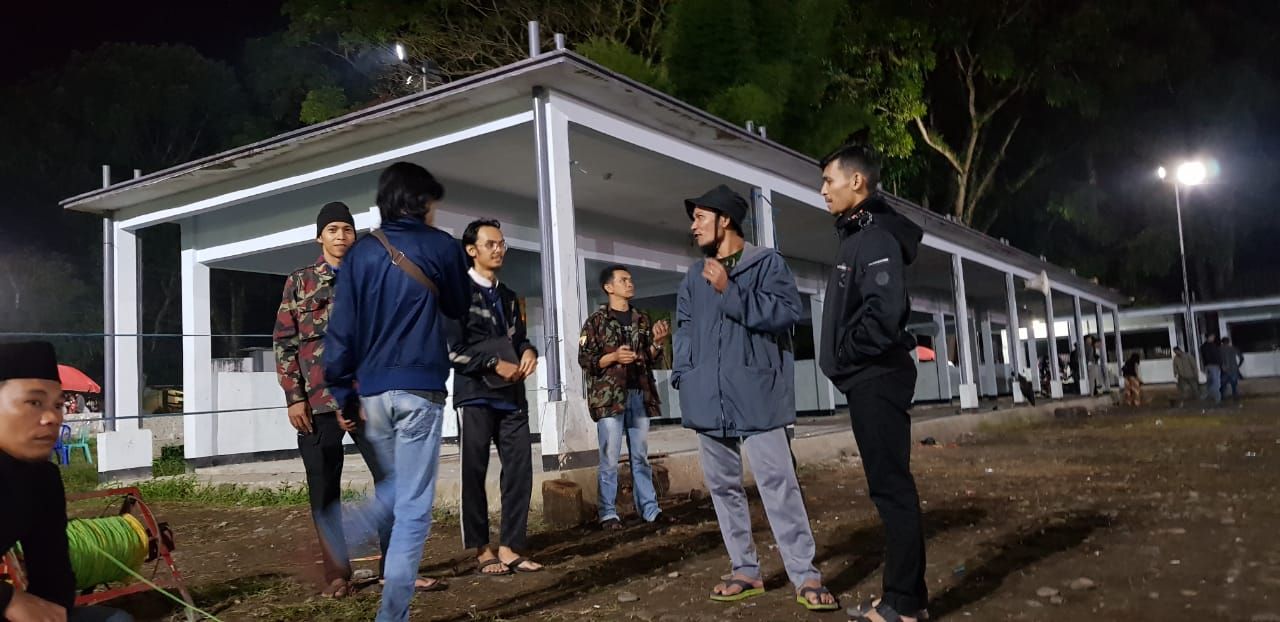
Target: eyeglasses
494 246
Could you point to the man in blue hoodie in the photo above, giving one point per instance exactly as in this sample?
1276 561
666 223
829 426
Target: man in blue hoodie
866 352
387 335
733 368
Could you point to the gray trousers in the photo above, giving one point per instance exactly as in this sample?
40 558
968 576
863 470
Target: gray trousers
770 457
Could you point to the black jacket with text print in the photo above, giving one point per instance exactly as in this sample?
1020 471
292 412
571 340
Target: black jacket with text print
866 308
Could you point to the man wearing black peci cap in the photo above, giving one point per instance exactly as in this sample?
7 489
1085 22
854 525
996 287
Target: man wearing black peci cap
733 368
31 487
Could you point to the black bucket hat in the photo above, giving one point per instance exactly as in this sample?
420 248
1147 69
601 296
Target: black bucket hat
722 199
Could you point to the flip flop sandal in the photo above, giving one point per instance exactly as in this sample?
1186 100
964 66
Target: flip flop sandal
802 597
748 591
514 565
612 524
436 585
490 563
872 604
338 589
886 612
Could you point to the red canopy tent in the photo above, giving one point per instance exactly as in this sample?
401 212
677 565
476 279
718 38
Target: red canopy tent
75 381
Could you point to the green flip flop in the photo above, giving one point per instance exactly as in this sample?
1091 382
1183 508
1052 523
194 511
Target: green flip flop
802 597
748 591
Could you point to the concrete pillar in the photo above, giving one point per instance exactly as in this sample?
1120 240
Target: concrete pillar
1082 358
762 210
987 375
1115 320
968 385
200 431
127 450
1055 372
826 390
941 356
567 432
1102 348
1014 342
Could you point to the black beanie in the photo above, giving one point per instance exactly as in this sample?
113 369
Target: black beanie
333 212
33 360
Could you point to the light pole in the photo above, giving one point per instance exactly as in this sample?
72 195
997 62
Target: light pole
1189 174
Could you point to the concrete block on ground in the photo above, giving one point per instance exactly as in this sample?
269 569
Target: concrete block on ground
1071 412
125 453
562 503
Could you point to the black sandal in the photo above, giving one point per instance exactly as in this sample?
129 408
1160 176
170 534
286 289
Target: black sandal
612 524
489 563
514 565
859 613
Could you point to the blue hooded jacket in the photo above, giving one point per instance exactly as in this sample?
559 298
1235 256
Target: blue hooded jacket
733 365
386 331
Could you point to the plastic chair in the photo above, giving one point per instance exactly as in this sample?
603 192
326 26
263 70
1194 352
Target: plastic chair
81 442
60 451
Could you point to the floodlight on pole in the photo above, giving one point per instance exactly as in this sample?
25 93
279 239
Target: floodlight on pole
1189 173
1192 173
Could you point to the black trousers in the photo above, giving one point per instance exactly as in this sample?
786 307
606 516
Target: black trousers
882 429
510 431
323 457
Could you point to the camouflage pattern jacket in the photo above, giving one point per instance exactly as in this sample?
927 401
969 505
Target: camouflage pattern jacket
607 388
298 337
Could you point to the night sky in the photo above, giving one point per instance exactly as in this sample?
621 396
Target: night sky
37 36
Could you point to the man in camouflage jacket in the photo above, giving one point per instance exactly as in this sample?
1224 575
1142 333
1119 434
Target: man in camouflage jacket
617 350
321 422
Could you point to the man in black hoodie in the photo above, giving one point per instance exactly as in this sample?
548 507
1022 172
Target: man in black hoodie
866 352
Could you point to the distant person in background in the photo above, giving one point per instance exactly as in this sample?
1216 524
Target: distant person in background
1211 357
1231 362
1093 357
1132 384
1184 371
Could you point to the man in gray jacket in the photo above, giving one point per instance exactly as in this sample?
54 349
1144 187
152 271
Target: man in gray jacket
734 313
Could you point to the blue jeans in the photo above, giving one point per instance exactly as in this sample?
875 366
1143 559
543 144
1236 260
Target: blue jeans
403 428
635 421
1213 383
1233 381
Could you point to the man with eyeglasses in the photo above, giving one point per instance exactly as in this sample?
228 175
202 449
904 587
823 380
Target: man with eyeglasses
491 357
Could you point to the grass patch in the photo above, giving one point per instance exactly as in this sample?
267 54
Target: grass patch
172 461
188 489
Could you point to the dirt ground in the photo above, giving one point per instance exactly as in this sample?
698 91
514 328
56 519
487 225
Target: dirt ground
1155 514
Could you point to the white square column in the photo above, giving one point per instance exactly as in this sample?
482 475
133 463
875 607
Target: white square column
127 450
762 210
968 388
941 357
199 431
987 364
567 432
1115 320
1055 372
1082 356
826 390
1102 348
1015 343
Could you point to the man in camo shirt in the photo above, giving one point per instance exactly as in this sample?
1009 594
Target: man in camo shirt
617 351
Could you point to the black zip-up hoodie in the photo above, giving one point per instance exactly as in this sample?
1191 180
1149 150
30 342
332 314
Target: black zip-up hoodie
865 314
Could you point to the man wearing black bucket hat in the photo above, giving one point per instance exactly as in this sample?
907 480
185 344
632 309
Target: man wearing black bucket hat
734 313
30 422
